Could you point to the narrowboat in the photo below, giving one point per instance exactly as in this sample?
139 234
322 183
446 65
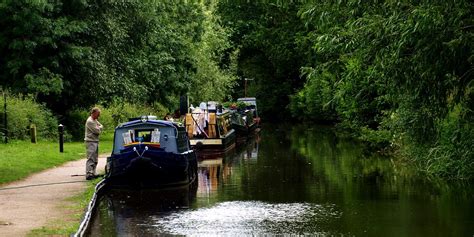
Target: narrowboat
251 103
151 153
243 123
209 128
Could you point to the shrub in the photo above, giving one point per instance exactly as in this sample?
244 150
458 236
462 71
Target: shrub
453 155
22 111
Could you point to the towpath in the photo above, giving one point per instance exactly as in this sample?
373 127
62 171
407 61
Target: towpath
40 198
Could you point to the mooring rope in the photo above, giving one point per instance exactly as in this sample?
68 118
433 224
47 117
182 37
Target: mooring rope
42 184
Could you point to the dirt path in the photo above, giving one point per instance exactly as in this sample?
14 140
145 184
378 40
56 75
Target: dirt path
24 209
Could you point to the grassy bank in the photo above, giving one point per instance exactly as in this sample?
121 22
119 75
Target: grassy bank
75 208
18 159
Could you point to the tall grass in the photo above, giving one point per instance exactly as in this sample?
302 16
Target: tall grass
452 156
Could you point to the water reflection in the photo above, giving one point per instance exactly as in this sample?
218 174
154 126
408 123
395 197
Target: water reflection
209 174
129 212
239 218
297 180
218 170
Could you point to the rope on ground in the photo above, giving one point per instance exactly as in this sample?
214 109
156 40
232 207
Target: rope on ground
42 184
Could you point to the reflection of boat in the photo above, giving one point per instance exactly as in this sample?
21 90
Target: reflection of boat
248 150
210 129
210 162
124 212
209 175
252 150
214 154
150 152
212 172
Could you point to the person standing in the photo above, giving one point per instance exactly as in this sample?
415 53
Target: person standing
92 131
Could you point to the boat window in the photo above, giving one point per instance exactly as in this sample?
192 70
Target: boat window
143 135
150 135
182 141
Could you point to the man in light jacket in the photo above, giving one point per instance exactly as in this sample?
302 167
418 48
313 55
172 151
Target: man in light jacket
92 132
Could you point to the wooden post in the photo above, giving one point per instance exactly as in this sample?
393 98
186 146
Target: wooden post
33 133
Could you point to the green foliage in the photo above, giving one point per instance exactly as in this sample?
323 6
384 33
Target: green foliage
110 117
104 52
393 73
34 44
390 72
237 105
214 78
265 35
452 156
315 100
22 111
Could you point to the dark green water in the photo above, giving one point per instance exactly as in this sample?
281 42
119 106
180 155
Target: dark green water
299 181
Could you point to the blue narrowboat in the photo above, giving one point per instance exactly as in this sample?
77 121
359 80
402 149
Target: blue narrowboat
151 153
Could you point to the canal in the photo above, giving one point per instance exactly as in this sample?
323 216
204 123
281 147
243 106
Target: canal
294 180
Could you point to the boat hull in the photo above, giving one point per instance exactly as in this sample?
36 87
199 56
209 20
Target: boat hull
153 169
221 144
244 130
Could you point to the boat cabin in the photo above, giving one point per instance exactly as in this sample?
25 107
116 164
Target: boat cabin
208 126
151 153
251 103
160 134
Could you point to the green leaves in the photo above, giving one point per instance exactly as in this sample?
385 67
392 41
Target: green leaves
88 52
396 66
44 82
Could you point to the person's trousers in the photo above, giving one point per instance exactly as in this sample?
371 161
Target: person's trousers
92 149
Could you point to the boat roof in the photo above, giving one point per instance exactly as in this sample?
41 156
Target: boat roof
146 121
247 99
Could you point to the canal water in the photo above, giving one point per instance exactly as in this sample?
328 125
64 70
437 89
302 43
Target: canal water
294 180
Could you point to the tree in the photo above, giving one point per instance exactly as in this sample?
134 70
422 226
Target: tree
266 36
397 72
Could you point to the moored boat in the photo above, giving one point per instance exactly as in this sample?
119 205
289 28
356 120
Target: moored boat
151 153
210 129
243 123
251 103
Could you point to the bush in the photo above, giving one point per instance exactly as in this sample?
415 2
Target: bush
453 155
22 111
110 116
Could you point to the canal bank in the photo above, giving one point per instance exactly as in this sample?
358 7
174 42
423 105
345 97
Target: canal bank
45 201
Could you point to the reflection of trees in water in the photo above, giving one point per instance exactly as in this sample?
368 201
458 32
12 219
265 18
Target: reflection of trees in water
355 174
345 165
